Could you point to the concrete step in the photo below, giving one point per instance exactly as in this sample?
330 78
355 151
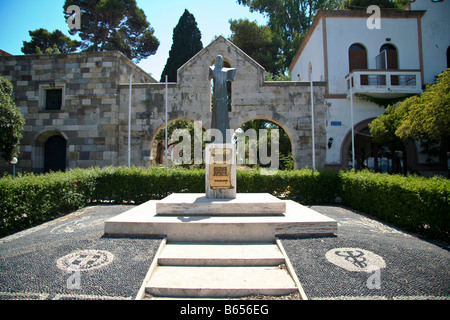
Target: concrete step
220 281
221 254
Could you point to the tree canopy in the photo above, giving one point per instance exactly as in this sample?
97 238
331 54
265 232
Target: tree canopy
290 19
114 25
428 116
43 41
424 118
186 43
11 122
363 4
259 42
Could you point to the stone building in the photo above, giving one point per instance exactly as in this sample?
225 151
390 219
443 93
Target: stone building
71 105
76 106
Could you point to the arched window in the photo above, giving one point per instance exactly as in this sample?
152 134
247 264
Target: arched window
357 57
55 154
391 56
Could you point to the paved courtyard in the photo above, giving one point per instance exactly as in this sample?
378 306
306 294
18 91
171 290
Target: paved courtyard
367 259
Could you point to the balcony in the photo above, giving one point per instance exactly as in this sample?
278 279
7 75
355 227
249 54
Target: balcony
384 83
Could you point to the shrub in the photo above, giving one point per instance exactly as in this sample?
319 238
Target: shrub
416 204
31 199
138 185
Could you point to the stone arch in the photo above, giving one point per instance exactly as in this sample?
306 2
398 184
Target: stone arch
282 124
156 148
410 147
38 149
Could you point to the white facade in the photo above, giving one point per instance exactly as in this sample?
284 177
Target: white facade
420 45
435 27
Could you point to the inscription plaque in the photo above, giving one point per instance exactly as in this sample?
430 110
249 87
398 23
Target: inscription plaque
220 168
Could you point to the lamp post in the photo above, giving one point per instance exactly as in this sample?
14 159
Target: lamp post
14 161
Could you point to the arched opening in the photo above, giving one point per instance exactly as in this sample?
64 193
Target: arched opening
191 128
258 139
357 57
49 153
392 158
55 154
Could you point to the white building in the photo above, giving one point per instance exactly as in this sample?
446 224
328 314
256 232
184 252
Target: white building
361 57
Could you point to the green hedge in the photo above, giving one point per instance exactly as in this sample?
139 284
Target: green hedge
31 199
415 204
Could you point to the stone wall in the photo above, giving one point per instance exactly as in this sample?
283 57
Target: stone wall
89 116
93 119
285 103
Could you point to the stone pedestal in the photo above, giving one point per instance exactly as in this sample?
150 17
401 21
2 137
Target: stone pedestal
220 171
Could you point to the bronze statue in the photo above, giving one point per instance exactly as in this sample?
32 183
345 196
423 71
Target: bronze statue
220 76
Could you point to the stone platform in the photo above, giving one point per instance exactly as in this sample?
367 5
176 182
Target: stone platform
297 220
246 204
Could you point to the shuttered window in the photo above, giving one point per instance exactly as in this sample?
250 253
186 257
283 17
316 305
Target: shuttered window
357 57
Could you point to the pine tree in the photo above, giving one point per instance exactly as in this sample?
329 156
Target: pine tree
43 41
186 43
114 25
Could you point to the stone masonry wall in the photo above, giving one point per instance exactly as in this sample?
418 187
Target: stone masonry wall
89 116
285 103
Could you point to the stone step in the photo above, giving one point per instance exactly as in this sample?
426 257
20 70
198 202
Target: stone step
220 281
246 204
221 254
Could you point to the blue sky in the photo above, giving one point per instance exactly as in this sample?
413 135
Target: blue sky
19 16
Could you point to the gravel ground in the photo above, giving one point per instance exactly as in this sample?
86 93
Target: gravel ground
406 267
114 268
33 263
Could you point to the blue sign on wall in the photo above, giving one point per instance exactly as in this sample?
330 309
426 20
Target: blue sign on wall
336 123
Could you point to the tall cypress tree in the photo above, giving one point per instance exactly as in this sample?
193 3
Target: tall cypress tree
186 43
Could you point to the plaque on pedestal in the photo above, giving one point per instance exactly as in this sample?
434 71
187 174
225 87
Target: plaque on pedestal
220 171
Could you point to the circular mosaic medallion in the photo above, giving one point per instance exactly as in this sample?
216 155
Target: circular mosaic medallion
85 260
355 259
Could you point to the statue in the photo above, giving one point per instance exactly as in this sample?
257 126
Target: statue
220 76
220 157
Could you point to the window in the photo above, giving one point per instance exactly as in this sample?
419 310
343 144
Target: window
53 99
357 57
390 55
52 96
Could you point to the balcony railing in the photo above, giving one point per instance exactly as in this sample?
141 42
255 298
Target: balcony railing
384 83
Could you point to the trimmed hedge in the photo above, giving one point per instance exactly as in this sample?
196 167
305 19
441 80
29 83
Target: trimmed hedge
31 199
415 204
